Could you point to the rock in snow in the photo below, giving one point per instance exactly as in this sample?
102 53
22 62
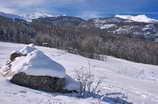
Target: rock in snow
46 83
36 63
32 66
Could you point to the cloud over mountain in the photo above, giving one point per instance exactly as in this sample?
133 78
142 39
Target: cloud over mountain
85 8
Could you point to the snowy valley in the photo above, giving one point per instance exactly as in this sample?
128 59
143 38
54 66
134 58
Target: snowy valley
124 82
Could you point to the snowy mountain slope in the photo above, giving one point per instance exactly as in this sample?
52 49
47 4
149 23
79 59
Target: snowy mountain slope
126 27
138 18
35 15
28 17
137 81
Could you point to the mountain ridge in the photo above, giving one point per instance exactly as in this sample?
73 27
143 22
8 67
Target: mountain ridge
43 14
11 16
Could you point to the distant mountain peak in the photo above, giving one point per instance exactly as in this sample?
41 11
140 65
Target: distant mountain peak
35 15
138 18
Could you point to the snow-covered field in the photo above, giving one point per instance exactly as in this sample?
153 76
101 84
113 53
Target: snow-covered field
132 82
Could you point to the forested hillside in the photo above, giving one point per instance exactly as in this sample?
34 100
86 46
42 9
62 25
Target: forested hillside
70 33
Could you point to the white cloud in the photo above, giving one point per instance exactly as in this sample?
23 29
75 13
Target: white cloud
12 6
20 3
7 10
89 14
26 3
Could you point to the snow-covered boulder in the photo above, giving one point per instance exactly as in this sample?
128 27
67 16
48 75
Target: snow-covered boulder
37 63
30 67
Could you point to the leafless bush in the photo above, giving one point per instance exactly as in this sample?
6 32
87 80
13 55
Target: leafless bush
88 85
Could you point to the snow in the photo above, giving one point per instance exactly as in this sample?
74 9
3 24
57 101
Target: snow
71 84
121 30
35 63
139 82
102 23
35 15
107 26
28 17
40 64
138 18
27 49
149 27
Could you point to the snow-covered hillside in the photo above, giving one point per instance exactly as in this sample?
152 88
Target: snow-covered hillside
35 15
138 18
133 82
27 16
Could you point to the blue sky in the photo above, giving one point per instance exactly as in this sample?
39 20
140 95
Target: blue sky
82 8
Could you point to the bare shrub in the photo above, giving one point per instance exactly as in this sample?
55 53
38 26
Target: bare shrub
88 85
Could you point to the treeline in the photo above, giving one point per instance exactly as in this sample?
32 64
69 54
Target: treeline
88 42
16 31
